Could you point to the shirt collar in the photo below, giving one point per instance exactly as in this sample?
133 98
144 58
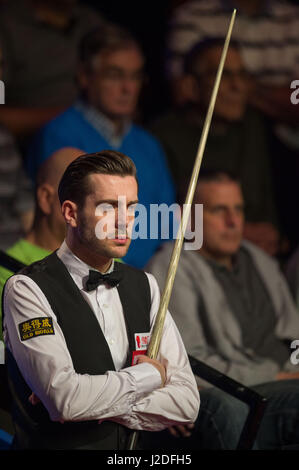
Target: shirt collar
236 261
102 124
76 267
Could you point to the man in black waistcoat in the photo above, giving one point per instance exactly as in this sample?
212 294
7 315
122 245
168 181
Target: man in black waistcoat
77 325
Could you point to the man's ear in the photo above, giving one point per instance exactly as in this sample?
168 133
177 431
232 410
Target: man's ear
45 195
190 88
69 211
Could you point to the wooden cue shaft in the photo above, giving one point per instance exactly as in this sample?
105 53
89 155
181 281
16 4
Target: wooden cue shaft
156 335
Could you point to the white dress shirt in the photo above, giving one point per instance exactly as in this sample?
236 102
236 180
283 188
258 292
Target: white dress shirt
131 396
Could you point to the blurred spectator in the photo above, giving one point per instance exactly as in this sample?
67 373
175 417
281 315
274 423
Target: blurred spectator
292 274
110 77
45 236
48 229
39 39
266 31
16 194
234 311
235 281
237 142
268 34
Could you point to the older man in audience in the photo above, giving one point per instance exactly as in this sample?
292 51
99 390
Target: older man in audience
234 310
48 229
45 235
110 77
237 141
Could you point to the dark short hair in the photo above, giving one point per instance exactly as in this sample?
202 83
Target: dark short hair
74 184
193 56
108 36
207 176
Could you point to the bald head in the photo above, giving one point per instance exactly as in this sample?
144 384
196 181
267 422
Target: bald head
48 230
53 168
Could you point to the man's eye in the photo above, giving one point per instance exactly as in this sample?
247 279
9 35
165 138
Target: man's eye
107 207
217 210
103 209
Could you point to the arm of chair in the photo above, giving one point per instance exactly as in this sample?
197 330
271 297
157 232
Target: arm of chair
257 403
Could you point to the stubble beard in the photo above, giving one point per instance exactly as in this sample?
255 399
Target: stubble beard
103 248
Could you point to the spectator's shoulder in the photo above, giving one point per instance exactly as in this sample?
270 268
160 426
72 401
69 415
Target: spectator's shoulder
62 122
146 136
257 253
161 258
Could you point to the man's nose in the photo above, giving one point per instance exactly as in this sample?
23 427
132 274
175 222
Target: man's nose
123 218
231 218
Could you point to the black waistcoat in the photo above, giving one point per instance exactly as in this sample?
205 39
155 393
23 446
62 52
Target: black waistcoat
88 349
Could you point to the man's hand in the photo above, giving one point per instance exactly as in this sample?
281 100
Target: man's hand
156 364
181 430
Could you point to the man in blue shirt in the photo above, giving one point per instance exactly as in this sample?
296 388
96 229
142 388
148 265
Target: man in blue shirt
110 77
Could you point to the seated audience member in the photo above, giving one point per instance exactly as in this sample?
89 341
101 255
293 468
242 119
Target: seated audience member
16 194
234 311
48 229
292 274
39 39
45 235
267 33
237 140
110 76
268 36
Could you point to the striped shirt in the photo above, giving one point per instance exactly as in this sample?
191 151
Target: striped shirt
269 40
16 192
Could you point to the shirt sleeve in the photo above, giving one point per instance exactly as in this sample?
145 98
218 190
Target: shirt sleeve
178 401
125 396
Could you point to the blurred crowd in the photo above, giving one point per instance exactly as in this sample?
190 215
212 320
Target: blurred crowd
80 80
76 77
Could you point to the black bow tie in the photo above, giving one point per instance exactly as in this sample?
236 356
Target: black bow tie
95 278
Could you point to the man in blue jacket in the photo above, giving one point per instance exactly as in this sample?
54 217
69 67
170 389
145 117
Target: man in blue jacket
110 77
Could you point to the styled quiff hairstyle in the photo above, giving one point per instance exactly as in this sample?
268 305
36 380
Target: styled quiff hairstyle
75 185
